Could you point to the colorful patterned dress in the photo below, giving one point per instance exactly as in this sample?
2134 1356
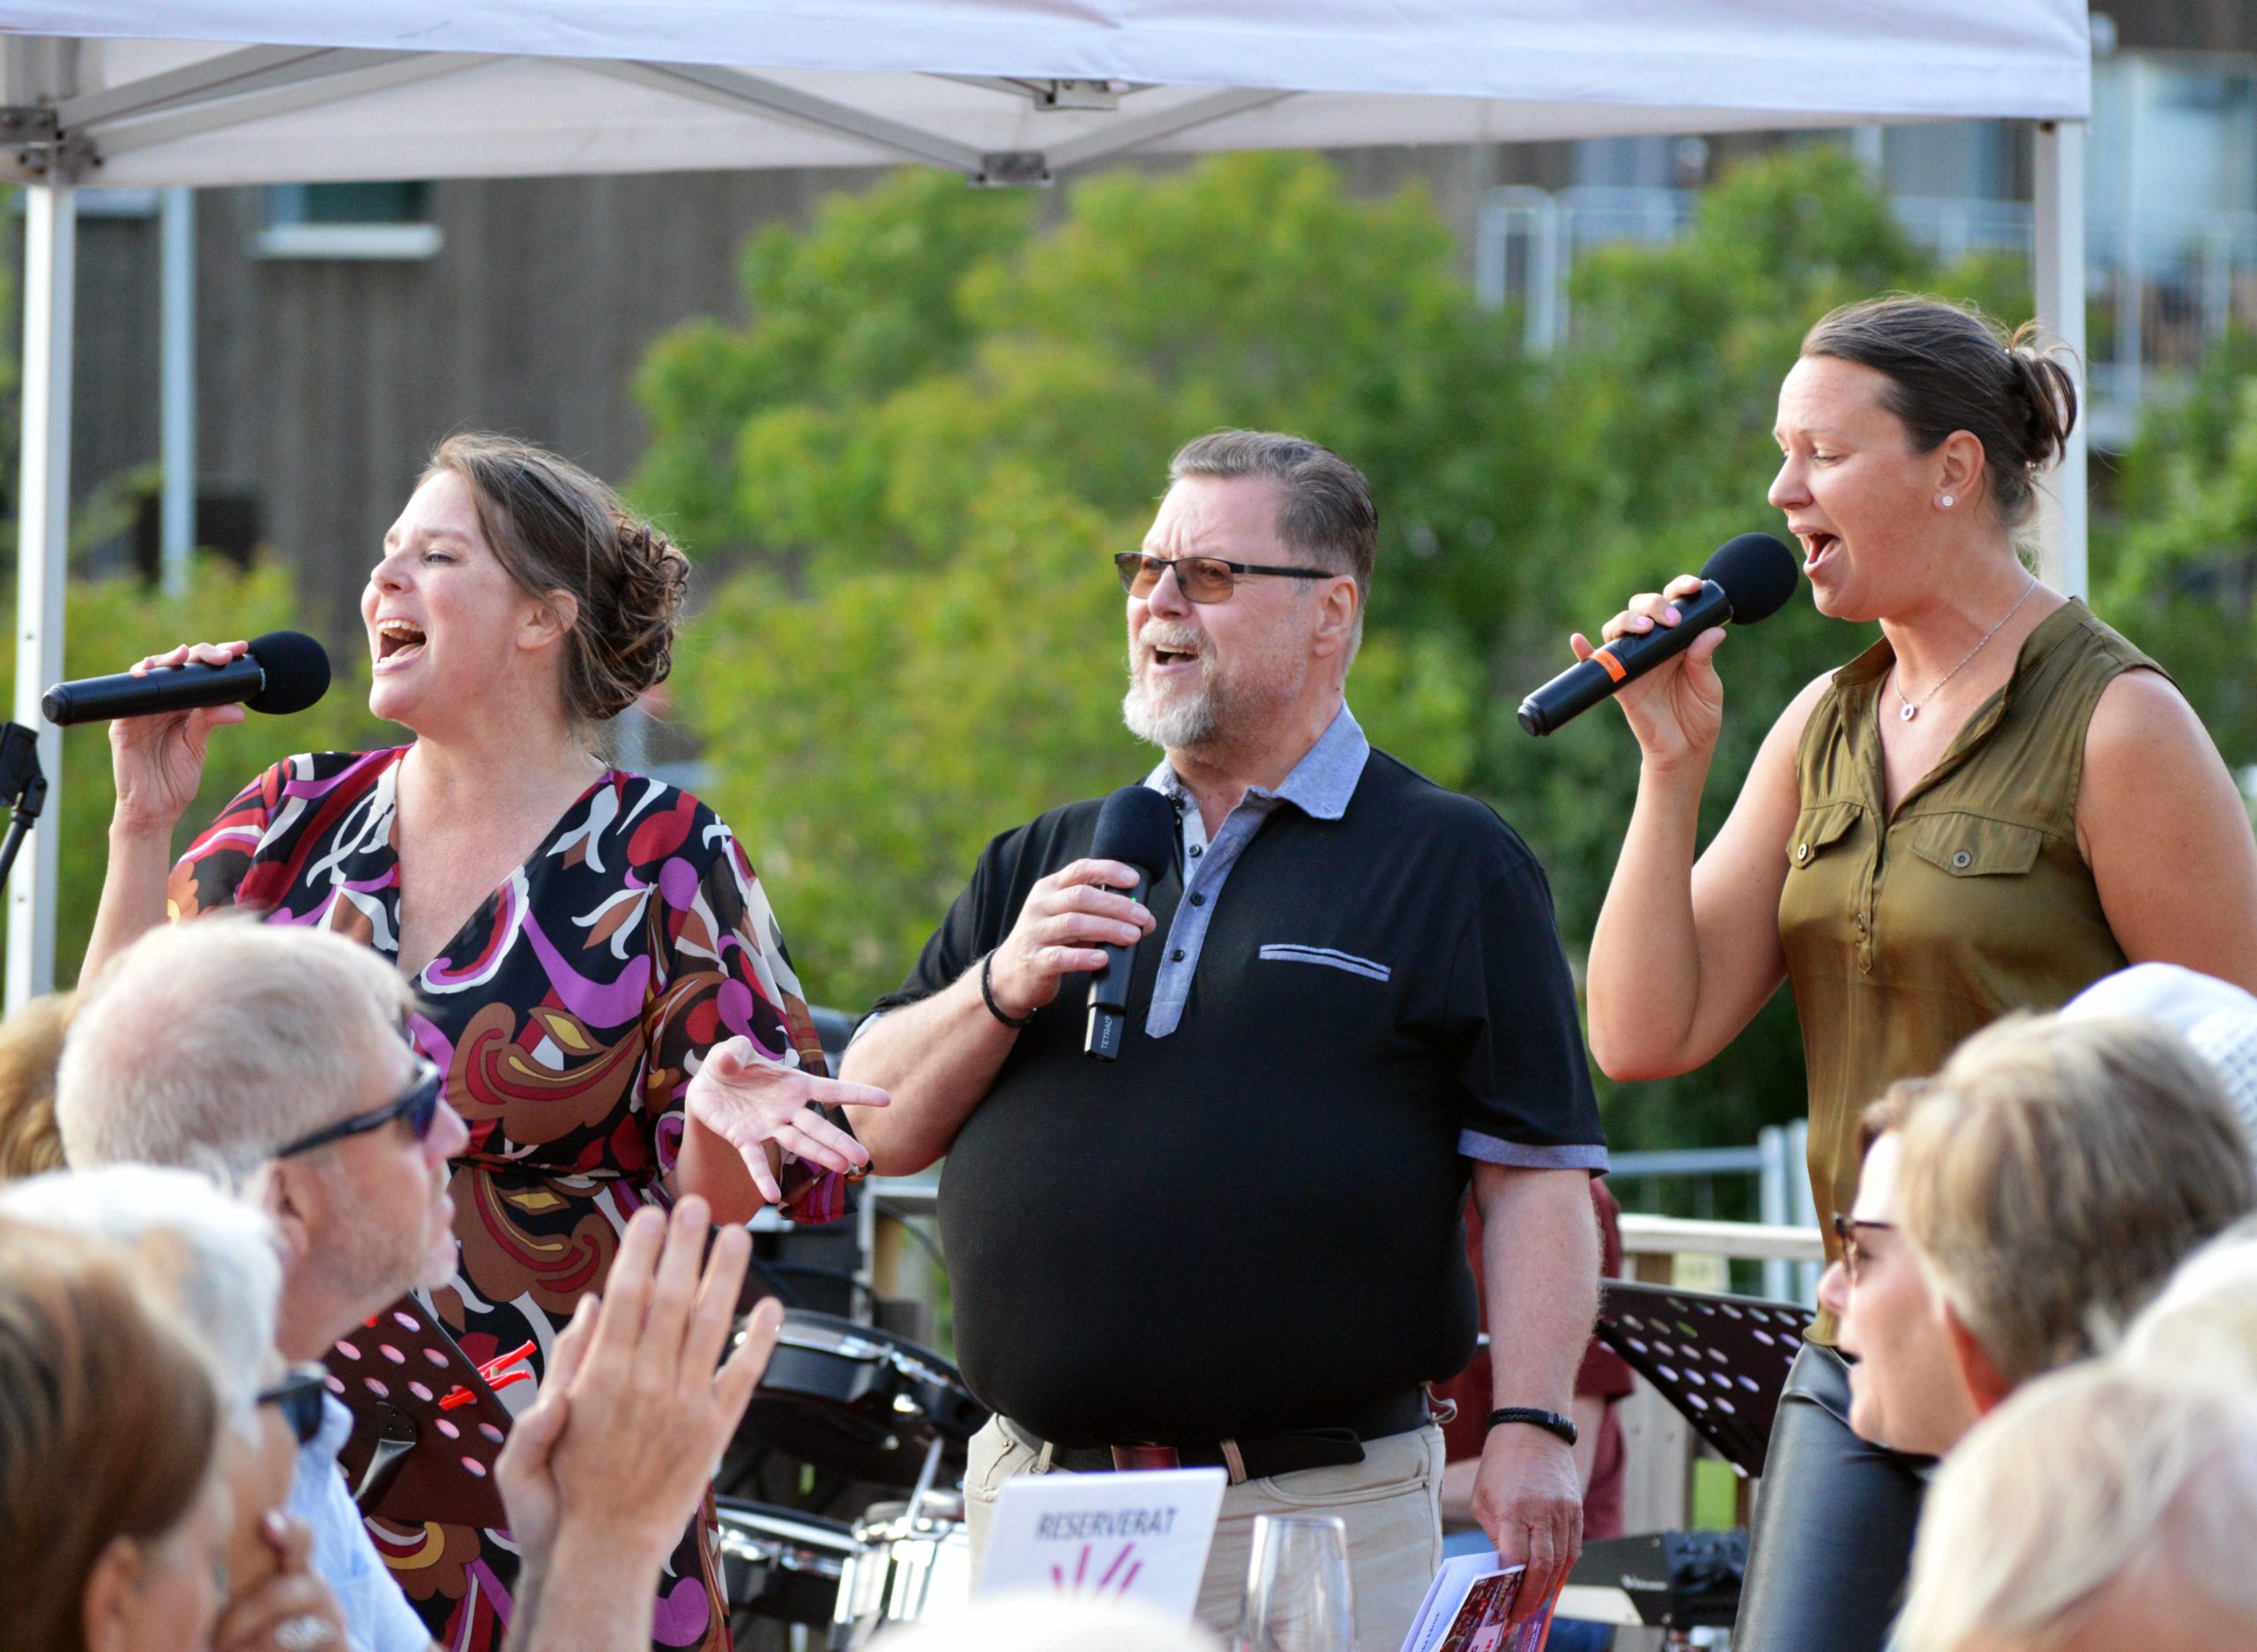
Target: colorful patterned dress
567 1012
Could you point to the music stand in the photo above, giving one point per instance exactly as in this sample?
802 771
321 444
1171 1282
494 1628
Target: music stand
1721 1360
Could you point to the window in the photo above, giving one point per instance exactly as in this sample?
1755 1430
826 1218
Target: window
348 221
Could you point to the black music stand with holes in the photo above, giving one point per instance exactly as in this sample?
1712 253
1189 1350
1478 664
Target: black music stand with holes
1720 1360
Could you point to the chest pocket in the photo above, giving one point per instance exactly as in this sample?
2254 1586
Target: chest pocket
1818 831
1326 957
1974 845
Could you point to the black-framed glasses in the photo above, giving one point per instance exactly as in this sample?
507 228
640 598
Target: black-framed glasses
1200 578
298 1397
418 1104
1854 1253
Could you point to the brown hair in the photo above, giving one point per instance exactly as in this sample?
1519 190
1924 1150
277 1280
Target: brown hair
556 528
31 1047
1890 1111
2056 1172
1951 369
108 1423
1324 504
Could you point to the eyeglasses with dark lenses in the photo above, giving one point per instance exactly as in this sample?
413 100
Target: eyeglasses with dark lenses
1200 578
418 1104
298 1397
1854 1253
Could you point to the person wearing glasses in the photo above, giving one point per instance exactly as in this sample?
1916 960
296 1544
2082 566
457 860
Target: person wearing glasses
1238 1243
2015 1211
603 985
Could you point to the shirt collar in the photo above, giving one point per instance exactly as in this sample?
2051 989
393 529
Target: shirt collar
1322 782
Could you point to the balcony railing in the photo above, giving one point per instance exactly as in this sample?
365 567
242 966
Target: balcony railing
2164 285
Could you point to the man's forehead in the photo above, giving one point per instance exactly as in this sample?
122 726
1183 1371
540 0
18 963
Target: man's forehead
1233 509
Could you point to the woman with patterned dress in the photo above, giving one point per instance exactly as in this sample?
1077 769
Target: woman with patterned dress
601 978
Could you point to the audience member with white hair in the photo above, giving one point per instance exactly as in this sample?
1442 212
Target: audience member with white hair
2100 1509
2217 1017
2204 1324
213 1259
112 1504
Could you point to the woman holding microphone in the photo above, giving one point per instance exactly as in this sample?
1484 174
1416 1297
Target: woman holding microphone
1998 803
604 987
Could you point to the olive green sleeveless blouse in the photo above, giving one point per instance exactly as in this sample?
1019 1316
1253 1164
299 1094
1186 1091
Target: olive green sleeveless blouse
1903 933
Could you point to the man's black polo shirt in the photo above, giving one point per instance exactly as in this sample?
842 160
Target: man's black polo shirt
1251 1224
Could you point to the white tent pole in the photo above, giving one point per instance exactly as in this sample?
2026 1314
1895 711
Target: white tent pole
43 545
2059 280
177 393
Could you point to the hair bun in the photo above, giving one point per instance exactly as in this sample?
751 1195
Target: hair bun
631 646
2049 390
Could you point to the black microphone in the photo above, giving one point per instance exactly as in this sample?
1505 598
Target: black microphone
1749 578
283 672
1137 827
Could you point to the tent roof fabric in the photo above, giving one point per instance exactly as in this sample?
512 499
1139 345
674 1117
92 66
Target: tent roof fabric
215 91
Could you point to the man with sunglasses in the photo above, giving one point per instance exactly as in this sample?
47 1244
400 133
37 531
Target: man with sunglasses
1238 1243
274 1057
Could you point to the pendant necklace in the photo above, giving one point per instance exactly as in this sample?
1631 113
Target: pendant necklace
1910 709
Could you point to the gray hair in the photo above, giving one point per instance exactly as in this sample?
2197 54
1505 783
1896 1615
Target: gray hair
2085 1479
2204 1322
1324 505
217 1263
209 1045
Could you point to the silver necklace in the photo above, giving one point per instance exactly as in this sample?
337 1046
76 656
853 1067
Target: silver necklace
1911 708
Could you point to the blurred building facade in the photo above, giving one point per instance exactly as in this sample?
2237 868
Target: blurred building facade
340 331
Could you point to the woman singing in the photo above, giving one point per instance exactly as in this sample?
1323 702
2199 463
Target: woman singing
603 983
1998 803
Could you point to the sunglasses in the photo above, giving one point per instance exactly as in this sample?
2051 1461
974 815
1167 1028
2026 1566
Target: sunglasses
1200 578
419 1104
1854 1254
298 1397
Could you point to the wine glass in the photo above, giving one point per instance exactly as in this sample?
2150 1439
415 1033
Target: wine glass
1298 1598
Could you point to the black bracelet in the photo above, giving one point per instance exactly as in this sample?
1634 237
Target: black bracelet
1550 1422
987 992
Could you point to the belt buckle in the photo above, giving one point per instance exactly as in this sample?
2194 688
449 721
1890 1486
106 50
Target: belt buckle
1128 1457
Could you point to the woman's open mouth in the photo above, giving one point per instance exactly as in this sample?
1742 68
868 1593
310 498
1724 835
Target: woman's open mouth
397 643
1814 548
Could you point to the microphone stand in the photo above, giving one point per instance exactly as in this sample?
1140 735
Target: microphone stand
23 787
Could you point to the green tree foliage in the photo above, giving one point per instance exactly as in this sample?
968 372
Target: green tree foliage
113 621
943 418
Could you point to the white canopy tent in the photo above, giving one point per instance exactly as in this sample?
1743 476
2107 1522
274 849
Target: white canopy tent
210 93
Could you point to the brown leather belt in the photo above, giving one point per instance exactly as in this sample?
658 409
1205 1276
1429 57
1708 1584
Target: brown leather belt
1256 1458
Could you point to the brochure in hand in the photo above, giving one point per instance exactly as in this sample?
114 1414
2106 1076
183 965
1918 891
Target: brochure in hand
1466 1606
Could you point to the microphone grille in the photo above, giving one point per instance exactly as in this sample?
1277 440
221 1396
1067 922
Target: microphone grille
297 671
1136 825
1757 572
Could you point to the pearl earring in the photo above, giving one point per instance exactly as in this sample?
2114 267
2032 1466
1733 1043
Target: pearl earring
1946 501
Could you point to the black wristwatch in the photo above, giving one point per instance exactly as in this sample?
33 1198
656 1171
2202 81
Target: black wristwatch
1550 1422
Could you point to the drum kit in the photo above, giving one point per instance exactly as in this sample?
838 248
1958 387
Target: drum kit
857 1402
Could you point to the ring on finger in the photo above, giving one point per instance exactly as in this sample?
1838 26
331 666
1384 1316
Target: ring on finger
304 1634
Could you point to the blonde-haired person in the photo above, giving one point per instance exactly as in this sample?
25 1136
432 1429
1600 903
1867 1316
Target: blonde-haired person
2100 1509
112 1504
1965 820
602 984
2017 1211
31 1044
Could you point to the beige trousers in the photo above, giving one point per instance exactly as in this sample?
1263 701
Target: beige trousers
1391 1501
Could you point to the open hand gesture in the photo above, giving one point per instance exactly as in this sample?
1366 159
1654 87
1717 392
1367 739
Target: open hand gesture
751 1101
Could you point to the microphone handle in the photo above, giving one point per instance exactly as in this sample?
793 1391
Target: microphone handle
1109 994
1631 656
172 688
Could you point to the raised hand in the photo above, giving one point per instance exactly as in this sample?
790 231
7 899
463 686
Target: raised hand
751 1101
1676 710
158 761
1067 921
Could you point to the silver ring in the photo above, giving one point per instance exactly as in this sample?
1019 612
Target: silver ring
304 1634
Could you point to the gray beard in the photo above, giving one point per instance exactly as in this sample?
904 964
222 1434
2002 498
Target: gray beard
1188 724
